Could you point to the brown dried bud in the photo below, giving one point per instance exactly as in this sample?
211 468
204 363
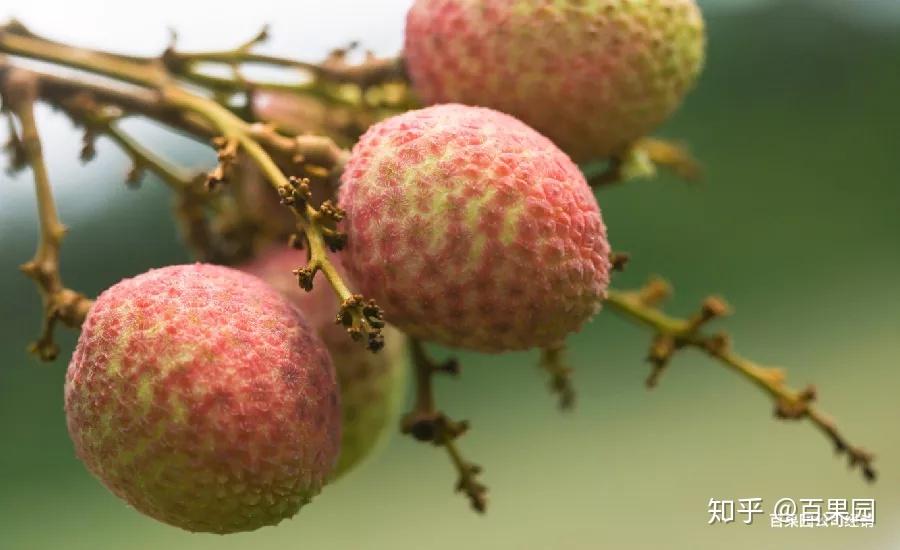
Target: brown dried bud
619 260
375 342
355 333
655 291
332 211
305 277
296 241
335 240
714 306
373 314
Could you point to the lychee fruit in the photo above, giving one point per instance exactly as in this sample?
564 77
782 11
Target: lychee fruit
298 114
372 385
291 112
592 76
471 229
201 396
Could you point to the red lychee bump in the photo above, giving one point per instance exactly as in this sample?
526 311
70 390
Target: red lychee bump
592 76
199 395
371 384
471 229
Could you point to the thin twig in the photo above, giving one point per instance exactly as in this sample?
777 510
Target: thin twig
360 316
103 119
553 362
370 72
61 304
192 201
306 152
426 423
673 334
366 91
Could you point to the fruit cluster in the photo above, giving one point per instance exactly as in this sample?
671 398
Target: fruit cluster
222 399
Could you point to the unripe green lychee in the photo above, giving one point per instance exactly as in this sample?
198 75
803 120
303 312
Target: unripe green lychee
471 229
201 396
372 385
593 76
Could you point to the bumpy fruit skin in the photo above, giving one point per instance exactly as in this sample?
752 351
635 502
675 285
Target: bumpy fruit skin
372 385
200 395
471 229
593 76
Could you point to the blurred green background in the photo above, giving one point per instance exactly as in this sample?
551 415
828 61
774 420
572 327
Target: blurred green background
797 223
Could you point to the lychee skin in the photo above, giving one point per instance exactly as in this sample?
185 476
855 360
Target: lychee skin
292 112
471 229
591 76
199 395
372 385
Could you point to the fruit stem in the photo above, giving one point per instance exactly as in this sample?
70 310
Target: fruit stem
641 160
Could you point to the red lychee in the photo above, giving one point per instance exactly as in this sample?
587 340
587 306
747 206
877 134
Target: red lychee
591 76
371 384
291 112
471 229
200 395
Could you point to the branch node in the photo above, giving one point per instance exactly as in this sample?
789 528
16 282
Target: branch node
362 319
226 152
661 350
717 344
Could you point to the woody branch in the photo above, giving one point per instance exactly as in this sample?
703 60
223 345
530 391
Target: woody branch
159 95
61 304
